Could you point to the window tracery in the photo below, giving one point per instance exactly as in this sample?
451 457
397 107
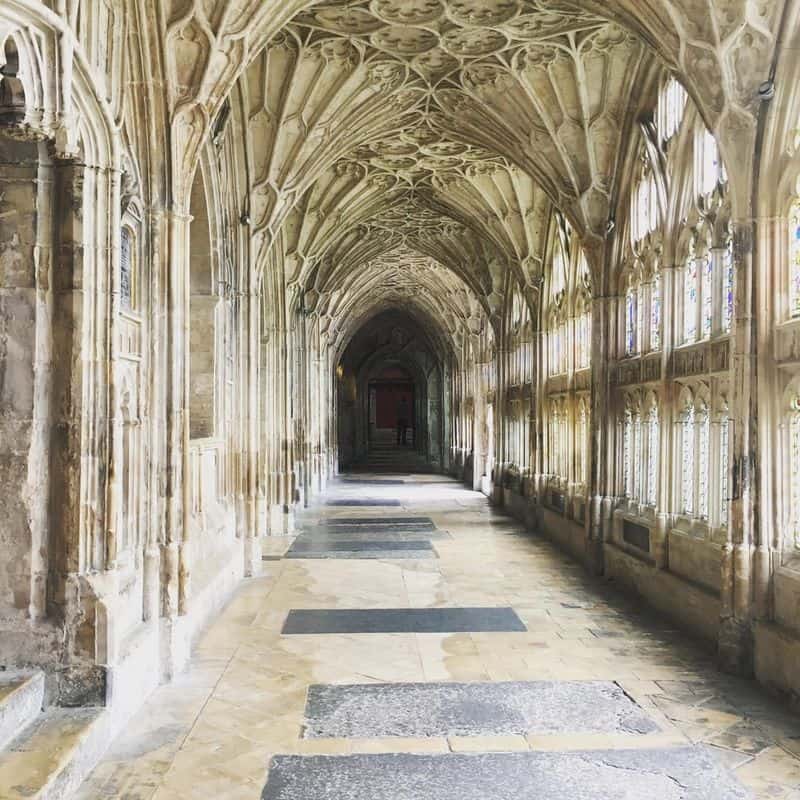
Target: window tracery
671 110
695 454
724 466
557 313
583 317
655 312
728 285
794 473
653 450
794 259
686 466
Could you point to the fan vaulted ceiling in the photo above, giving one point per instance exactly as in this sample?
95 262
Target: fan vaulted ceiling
438 130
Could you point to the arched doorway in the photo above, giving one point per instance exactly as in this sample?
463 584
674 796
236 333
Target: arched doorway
392 402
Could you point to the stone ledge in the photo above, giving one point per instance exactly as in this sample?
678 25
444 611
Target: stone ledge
697 608
777 660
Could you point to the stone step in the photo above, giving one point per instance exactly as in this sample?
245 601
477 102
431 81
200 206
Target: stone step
49 759
21 701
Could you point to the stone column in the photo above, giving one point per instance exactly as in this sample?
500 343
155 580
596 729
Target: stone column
738 556
600 473
174 556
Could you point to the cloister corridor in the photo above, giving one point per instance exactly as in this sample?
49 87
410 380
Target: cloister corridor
590 680
400 399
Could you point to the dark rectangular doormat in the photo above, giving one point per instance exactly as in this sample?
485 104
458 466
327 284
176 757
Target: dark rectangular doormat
365 534
682 773
379 521
311 547
363 502
402 620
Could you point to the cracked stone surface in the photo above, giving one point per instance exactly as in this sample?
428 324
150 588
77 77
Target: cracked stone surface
686 773
472 709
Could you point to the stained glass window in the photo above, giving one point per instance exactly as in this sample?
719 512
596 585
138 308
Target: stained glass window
583 445
728 287
636 489
627 456
707 296
687 462
652 456
655 313
630 320
724 449
690 300
794 259
702 464
126 268
584 324
794 476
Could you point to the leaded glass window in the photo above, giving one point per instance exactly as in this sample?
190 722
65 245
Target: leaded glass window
636 491
728 287
627 453
690 300
631 304
794 260
126 268
655 313
724 457
709 170
794 474
653 444
687 461
707 266
671 109
702 463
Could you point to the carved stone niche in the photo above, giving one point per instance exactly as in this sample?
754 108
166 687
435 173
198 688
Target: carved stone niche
583 379
627 373
651 369
720 356
690 361
558 383
787 342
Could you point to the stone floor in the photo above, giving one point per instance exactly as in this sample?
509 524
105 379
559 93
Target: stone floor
675 728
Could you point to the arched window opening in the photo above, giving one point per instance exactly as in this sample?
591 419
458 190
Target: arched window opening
794 259
633 457
645 216
128 269
671 110
792 508
698 307
709 170
203 333
583 316
724 466
12 92
582 449
706 293
728 286
687 460
557 313
655 312
702 423
631 318
653 445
